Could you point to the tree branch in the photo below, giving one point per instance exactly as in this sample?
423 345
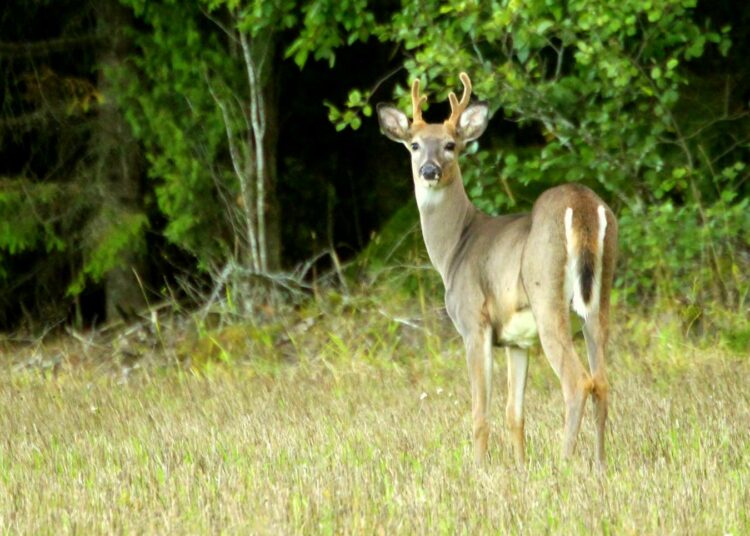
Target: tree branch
241 178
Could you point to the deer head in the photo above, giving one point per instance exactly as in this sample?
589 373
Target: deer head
435 147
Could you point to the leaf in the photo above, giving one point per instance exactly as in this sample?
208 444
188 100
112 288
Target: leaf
300 58
543 26
355 97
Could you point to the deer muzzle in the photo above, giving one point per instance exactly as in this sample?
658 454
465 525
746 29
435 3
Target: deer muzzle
430 172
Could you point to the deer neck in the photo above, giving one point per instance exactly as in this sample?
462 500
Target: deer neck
444 214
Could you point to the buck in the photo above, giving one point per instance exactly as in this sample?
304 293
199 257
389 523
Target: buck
512 280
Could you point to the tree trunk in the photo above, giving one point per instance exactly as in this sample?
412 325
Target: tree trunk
259 55
120 161
273 211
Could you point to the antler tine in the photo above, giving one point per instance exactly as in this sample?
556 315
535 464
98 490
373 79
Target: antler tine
457 108
416 103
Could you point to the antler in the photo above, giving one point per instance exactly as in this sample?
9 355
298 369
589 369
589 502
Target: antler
457 108
416 103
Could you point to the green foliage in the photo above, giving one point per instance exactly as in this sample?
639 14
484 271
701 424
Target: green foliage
189 69
397 240
357 105
169 107
26 221
601 84
706 262
112 237
327 25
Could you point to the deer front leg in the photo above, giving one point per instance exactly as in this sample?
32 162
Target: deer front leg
479 361
518 363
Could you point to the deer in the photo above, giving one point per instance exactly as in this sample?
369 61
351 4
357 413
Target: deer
512 280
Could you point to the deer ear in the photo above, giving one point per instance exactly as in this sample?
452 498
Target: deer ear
393 122
473 121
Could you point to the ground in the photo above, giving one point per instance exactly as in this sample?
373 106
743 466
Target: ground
326 427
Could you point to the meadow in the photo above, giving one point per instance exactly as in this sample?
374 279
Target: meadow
353 418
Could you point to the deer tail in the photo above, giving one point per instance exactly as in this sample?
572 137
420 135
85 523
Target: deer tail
584 238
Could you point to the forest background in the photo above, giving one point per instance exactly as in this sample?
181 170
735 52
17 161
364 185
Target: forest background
159 150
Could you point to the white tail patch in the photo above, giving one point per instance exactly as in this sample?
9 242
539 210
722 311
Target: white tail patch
596 286
572 289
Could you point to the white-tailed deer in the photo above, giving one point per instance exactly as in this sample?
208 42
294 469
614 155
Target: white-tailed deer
509 279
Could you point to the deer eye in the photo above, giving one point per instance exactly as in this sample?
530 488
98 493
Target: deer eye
450 146
415 146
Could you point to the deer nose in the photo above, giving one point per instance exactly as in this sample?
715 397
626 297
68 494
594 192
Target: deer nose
430 171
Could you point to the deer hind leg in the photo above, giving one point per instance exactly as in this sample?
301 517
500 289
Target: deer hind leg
554 333
595 332
518 364
479 361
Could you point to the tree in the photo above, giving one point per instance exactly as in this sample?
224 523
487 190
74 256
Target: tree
208 119
198 86
59 136
208 116
115 233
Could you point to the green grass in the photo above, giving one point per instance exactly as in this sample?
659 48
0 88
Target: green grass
366 430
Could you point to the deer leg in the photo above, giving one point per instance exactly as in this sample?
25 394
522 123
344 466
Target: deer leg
576 385
518 364
594 331
479 362
557 343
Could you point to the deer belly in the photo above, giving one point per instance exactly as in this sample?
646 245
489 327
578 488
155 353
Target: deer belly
520 330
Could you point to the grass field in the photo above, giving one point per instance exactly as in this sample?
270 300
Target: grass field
368 432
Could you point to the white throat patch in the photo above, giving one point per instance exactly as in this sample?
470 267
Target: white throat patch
428 196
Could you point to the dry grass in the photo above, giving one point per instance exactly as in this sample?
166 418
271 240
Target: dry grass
368 432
